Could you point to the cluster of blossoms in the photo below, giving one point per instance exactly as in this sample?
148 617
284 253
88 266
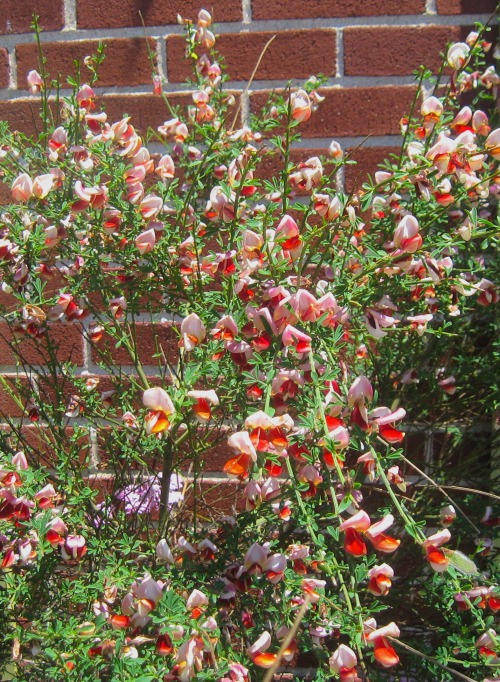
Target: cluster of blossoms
19 543
279 299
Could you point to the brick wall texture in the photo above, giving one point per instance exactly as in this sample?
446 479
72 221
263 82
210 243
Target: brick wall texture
366 49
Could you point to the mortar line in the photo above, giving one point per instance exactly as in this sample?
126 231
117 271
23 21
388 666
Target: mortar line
340 54
161 58
245 108
7 94
12 69
246 6
430 7
409 21
69 15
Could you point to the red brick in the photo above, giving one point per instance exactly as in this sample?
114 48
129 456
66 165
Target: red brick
66 338
44 445
121 13
466 6
5 193
152 339
17 16
116 69
395 51
8 302
103 484
354 111
215 457
368 160
293 54
4 68
146 111
21 388
215 498
316 9
22 115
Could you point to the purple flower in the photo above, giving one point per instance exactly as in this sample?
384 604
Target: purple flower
143 497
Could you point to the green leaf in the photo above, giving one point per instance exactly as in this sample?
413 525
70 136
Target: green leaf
346 502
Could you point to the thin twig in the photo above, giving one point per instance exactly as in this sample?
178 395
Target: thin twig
288 639
436 485
467 490
432 660
264 49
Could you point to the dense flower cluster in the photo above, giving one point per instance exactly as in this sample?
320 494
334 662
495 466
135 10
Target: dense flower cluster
272 301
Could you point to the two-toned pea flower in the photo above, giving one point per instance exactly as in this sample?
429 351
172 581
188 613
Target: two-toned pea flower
202 405
193 332
435 555
260 560
35 82
300 106
380 579
458 55
239 466
160 407
260 656
383 651
343 661
360 525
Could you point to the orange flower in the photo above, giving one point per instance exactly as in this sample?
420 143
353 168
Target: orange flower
161 407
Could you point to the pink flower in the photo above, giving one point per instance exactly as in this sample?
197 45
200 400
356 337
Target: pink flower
311 586
150 206
359 525
161 407
300 341
431 109
35 82
193 331
165 168
384 653
257 651
308 175
492 144
85 97
42 185
163 552
239 466
22 188
300 106
436 556
73 548
343 659
458 55
19 461
203 400
145 242
361 390
287 233
379 579
406 236
196 602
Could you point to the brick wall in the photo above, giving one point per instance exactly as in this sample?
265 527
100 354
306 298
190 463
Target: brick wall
367 49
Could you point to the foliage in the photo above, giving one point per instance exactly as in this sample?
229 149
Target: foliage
281 314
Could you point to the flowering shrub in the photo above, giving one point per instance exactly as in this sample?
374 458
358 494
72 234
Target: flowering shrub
293 326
